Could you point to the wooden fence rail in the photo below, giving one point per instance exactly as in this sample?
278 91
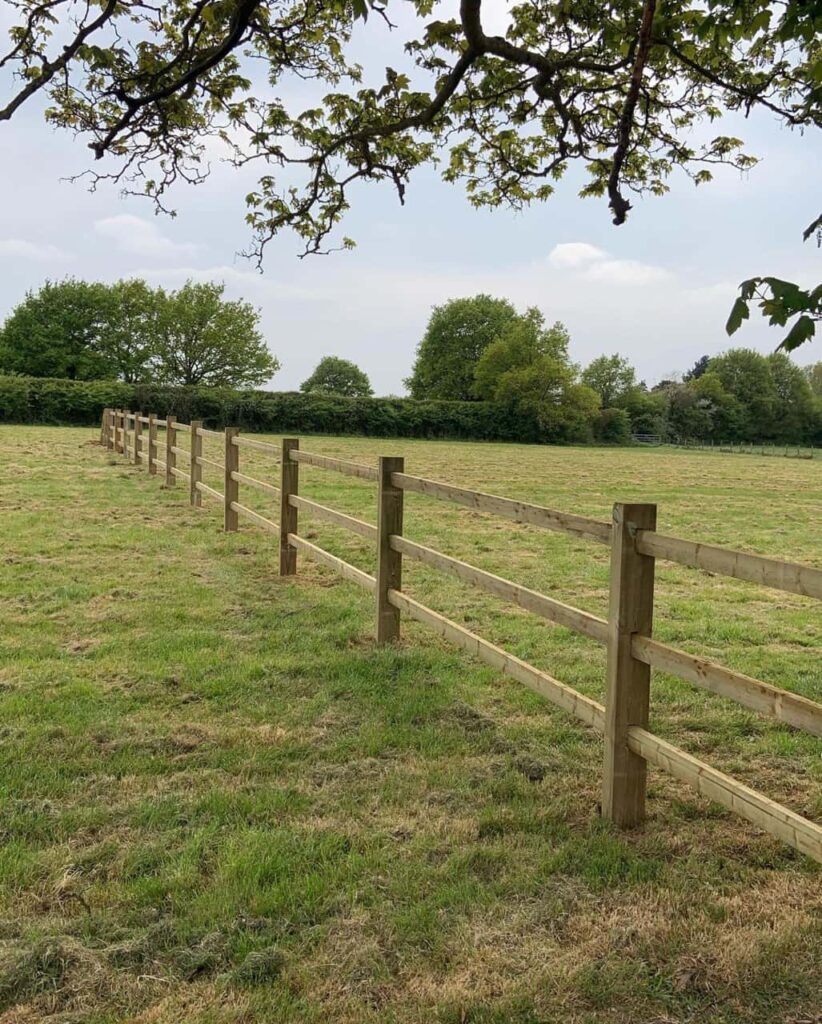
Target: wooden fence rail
632 652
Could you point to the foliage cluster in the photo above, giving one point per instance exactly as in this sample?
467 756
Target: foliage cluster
86 330
481 348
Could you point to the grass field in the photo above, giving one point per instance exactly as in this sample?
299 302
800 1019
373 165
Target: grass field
222 804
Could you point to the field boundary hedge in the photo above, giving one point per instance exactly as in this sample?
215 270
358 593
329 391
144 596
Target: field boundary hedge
45 400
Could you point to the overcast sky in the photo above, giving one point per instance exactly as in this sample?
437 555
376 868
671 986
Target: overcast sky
657 289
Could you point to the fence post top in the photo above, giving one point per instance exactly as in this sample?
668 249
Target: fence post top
625 511
232 431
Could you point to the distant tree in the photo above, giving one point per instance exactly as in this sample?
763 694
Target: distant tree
55 332
814 375
338 377
699 367
613 426
519 344
548 391
687 416
746 375
612 377
203 339
794 414
721 414
129 334
458 333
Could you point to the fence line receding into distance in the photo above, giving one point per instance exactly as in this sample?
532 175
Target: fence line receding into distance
632 653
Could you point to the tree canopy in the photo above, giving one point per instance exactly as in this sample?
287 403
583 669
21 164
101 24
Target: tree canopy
457 334
204 339
57 332
92 331
615 88
336 376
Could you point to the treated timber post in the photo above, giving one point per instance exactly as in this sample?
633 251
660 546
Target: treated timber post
103 426
126 418
196 470
630 611
231 489
389 562
171 457
289 484
109 437
138 438
117 413
152 444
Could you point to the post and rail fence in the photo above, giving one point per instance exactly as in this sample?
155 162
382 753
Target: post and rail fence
632 652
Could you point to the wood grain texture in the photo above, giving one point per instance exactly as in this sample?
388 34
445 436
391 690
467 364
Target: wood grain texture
779 821
627 680
389 559
518 511
768 572
289 484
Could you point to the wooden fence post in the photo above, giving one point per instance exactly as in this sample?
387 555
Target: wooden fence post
196 470
389 562
109 429
117 413
138 438
103 426
126 418
630 611
171 456
231 488
289 484
152 444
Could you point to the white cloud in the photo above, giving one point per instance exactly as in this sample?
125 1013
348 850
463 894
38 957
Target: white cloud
141 237
595 264
570 255
31 250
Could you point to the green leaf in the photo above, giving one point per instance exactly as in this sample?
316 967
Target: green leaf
803 330
739 312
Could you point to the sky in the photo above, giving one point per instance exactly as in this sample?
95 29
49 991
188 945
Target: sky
657 289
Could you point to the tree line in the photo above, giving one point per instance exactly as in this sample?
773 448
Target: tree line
129 331
482 349
479 351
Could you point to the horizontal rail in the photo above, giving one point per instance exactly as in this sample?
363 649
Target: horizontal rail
144 419
333 516
583 708
260 446
249 481
255 517
531 600
201 460
790 708
208 490
159 462
792 828
338 465
768 572
351 572
181 451
519 511
179 473
210 433
161 423
182 426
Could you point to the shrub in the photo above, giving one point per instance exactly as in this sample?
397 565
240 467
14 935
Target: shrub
613 426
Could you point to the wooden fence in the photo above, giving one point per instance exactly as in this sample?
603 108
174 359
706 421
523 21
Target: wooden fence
632 652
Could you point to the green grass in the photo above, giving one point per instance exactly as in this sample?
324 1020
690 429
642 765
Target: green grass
221 803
